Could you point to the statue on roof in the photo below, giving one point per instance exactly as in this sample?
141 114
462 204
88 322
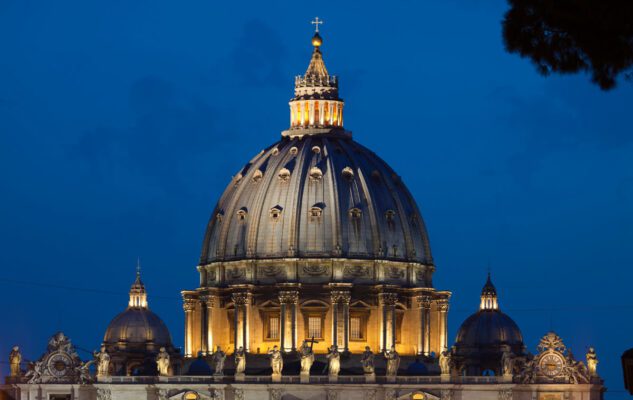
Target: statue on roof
218 359
15 359
393 361
162 362
240 361
367 361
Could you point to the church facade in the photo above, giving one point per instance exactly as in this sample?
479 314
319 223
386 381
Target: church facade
316 282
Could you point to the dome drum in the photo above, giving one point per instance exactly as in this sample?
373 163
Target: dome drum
306 270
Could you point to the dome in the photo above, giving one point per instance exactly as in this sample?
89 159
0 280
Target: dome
316 196
137 325
486 335
489 328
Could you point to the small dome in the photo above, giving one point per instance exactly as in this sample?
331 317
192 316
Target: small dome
489 328
486 335
137 325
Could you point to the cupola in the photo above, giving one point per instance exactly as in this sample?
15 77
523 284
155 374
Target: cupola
316 104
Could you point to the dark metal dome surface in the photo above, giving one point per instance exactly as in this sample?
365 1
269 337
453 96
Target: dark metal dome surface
488 328
137 325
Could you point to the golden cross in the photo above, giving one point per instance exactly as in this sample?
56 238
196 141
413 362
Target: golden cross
316 24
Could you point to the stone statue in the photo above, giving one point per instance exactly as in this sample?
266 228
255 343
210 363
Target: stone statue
592 362
218 359
334 361
276 360
393 361
240 361
162 362
528 370
15 359
507 363
445 362
367 360
307 357
575 371
35 371
102 359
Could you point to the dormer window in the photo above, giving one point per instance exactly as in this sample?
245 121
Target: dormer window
355 213
315 174
284 175
348 173
315 213
257 176
241 214
275 213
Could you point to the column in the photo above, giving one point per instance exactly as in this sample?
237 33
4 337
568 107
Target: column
288 300
203 326
442 306
241 300
345 298
209 302
282 326
424 303
189 305
387 303
334 320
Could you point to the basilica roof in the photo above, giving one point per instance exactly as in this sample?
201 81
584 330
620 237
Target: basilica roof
316 192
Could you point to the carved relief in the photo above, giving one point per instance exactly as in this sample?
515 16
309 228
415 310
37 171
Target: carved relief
270 270
394 272
235 273
356 271
275 394
216 394
104 394
419 275
391 394
315 270
505 394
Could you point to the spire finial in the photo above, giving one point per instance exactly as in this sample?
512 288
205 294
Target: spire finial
316 24
138 266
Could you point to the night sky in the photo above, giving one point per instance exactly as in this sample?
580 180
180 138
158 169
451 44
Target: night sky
122 122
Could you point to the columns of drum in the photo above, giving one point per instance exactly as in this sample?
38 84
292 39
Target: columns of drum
288 302
189 305
387 302
442 307
340 300
206 324
424 333
241 328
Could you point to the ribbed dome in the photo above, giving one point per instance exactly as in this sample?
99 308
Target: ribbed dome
137 325
319 195
488 328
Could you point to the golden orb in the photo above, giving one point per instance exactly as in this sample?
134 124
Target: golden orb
316 40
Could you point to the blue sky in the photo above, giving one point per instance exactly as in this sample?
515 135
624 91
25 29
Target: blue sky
121 123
